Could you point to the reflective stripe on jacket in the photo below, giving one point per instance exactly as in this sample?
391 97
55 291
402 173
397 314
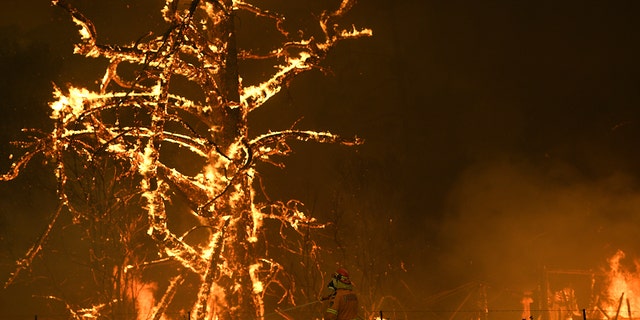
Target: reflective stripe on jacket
344 306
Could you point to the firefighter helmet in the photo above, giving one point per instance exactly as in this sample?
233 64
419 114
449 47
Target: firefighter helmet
342 275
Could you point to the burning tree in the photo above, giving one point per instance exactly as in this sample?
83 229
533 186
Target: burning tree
114 154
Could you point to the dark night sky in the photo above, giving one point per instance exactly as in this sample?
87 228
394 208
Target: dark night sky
501 136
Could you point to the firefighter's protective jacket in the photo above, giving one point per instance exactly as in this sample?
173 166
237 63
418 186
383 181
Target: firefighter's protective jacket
344 305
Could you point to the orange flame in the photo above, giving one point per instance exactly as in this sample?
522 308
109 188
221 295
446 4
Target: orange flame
221 195
623 286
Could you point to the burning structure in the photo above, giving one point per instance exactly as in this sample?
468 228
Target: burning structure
559 294
575 294
578 294
158 167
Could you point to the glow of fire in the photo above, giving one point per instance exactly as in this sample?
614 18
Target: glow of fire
257 283
78 116
623 287
145 300
254 96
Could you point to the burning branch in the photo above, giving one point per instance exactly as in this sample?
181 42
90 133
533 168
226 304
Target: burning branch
229 263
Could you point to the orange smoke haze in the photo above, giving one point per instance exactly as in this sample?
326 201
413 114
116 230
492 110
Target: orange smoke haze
510 221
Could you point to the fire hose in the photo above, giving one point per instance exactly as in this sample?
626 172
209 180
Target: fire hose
280 311
300 306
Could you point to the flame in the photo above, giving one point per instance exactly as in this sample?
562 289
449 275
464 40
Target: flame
145 300
622 291
257 284
228 263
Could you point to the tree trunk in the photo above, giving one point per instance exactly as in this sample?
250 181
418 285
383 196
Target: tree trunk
228 293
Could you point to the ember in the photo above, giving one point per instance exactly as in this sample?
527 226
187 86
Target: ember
113 152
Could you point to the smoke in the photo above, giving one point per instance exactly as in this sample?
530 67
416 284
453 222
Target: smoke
508 219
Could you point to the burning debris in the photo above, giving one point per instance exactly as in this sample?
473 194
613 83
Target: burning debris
576 294
113 153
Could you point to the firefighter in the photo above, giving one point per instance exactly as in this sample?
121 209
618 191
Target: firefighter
343 302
